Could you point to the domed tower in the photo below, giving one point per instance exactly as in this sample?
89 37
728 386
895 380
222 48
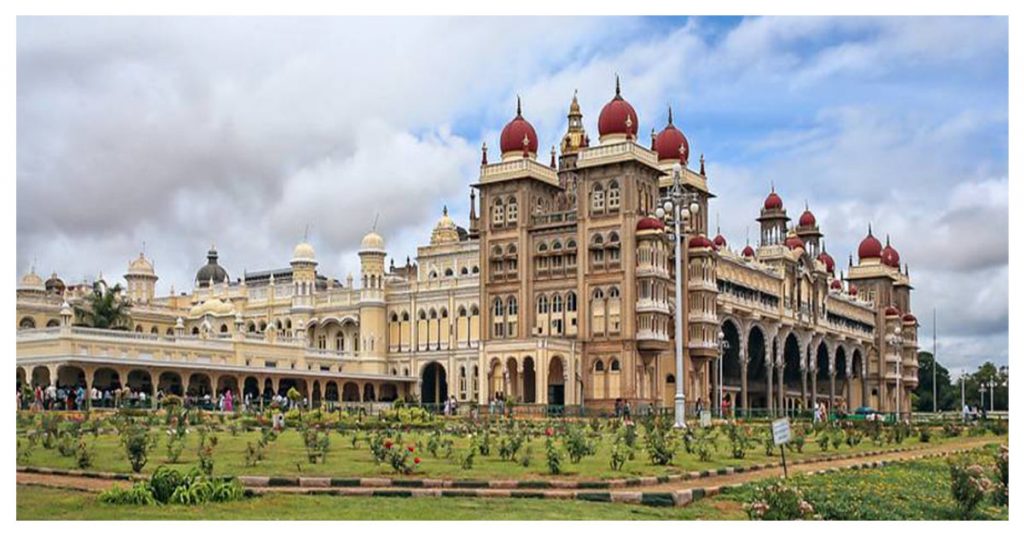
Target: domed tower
807 230
575 137
303 277
141 280
55 285
653 282
671 144
211 272
773 220
445 231
372 313
31 283
618 120
518 138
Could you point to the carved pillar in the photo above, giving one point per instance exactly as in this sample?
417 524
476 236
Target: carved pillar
770 366
743 384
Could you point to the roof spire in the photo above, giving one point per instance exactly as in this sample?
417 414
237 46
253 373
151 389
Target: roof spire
702 164
552 156
869 229
305 234
483 154
444 211
618 89
670 114
886 239
773 185
654 138
519 106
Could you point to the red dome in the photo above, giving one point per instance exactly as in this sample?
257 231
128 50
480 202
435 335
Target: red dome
748 251
853 289
618 116
793 242
773 201
828 261
515 132
807 219
909 318
836 284
720 241
870 247
648 223
700 241
671 144
890 257
892 311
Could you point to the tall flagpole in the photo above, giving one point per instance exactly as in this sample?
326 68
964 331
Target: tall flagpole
935 366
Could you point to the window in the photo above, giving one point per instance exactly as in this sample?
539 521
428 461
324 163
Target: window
556 303
513 210
615 365
613 196
599 366
597 203
448 272
542 304
498 213
513 306
570 302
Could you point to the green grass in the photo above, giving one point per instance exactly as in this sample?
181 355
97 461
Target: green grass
49 504
914 490
286 457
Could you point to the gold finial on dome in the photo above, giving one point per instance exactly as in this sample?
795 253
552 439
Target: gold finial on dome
445 232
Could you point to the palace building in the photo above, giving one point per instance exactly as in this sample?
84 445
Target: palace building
559 291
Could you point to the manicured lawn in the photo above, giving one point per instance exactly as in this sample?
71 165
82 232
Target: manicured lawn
915 490
286 457
49 504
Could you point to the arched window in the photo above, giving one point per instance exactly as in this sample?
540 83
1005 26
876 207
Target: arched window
394 317
542 247
513 210
512 250
422 314
444 312
498 213
405 316
598 294
499 307
542 304
556 303
496 251
614 365
448 272
223 328
613 195
433 314
570 302
476 270
464 271
613 292
513 306
599 366
597 198
462 311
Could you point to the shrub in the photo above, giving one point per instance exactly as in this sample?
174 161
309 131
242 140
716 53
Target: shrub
739 440
629 435
620 453
661 446
836 436
207 443
853 438
976 430
139 494
951 429
466 458
778 501
136 440
175 444
399 458
554 456
1001 494
703 445
823 440
998 427
317 444
577 445
924 434
509 445
24 450
83 455
798 439
485 442
527 457
968 485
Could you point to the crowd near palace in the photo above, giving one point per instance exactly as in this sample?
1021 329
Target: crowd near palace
558 291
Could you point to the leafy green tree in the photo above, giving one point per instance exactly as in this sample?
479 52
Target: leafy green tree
104 308
948 394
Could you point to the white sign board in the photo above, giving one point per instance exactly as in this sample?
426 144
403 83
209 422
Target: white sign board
780 431
705 419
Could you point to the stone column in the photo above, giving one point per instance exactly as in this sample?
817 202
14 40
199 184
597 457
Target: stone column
770 372
831 387
743 385
780 370
814 385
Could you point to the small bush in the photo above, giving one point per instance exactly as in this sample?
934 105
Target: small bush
577 445
969 485
778 501
924 434
1001 494
554 456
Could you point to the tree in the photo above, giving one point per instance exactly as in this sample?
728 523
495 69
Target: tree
104 308
949 395
986 373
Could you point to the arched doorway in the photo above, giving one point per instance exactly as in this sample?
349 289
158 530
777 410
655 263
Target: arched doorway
41 377
228 383
140 381
199 385
434 389
842 380
316 398
251 388
556 382
70 376
170 383
388 392
350 392
529 381
331 392
513 393
732 371
757 370
858 386
106 379
21 378
821 376
369 393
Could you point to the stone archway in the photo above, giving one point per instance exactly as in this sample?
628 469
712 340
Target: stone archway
70 376
792 371
139 380
732 368
41 377
529 381
556 382
199 385
757 370
350 392
106 379
434 384
821 375
388 392
331 392
251 388
228 383
513 392
369 393
21 378
169 382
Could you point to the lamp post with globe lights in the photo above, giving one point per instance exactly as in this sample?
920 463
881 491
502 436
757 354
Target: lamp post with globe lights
680 206
982 390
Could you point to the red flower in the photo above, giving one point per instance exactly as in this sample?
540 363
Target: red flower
410 448
387 444
549 431
416 460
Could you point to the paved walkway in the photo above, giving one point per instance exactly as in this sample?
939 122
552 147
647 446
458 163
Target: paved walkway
683 492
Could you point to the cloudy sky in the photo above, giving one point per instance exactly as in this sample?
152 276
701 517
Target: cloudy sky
181 133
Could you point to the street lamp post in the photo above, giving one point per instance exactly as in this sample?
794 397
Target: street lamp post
963 396
982 390
676 205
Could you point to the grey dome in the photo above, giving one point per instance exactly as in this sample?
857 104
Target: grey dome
211 270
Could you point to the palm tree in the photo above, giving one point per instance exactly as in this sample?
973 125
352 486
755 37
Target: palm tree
104 308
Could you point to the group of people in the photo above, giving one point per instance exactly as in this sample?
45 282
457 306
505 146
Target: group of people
59 397
496 405
972 413
451 406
